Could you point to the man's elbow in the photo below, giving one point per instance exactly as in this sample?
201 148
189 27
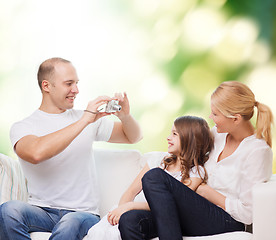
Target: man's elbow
136 140
35 157
29 151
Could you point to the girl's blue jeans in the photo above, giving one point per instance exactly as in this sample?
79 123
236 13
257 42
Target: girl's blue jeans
176 211
18 219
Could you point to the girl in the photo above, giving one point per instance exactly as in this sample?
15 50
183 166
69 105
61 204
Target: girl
241 157
189 145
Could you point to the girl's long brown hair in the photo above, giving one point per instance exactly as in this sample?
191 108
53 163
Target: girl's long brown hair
196 142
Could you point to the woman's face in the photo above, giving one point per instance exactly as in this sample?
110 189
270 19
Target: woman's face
174 142
222 123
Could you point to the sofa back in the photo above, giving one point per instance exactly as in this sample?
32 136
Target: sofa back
116 169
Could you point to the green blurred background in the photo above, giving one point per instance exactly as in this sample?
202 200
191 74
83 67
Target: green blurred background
168 55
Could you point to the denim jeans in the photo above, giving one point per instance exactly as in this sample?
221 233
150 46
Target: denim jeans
176 211
18 219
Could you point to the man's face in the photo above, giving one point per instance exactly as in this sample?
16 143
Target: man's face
63 87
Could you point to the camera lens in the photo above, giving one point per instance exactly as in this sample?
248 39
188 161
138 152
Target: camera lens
113 106
117 108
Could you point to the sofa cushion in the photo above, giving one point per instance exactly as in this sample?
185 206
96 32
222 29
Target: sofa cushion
40 235
153 158
12 180
224 236
43 236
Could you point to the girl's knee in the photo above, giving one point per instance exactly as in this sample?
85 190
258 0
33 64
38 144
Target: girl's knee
153 175
127 218
123 218
130 218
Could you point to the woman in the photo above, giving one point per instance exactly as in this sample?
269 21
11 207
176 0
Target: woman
241 157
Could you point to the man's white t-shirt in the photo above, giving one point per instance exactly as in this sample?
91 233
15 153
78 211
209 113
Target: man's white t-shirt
67 180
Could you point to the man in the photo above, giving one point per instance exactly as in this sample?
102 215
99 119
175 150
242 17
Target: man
54 146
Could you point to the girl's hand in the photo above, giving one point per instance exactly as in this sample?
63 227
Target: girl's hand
113 217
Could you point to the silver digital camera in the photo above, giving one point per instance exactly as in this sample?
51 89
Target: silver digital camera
113 106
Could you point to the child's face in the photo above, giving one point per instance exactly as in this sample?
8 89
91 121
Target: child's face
174 142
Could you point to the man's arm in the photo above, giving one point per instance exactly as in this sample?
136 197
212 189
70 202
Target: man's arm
35 149
128 130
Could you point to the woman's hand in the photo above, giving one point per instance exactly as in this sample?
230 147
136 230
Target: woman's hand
211 195
202 190
113 217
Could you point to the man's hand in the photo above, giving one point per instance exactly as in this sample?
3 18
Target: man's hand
128 129
92 114
123 101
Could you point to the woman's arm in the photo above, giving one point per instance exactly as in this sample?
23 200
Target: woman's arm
126 202
196 174
195 182
211 195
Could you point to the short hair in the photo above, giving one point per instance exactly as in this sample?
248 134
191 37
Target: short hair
47 69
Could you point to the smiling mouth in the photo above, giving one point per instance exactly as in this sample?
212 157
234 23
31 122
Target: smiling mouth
71 98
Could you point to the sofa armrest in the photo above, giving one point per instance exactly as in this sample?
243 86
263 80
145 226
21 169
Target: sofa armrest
264 210
12 180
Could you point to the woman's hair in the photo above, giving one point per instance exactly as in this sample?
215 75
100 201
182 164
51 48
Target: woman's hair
47 69
196 142
232 98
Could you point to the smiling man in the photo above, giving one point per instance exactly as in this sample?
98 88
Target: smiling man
54 146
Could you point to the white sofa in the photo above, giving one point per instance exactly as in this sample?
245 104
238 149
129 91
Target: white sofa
117 168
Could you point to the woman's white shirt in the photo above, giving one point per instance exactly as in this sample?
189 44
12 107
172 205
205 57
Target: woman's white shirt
235 175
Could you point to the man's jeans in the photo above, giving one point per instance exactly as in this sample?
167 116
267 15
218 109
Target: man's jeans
176 211
18 219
